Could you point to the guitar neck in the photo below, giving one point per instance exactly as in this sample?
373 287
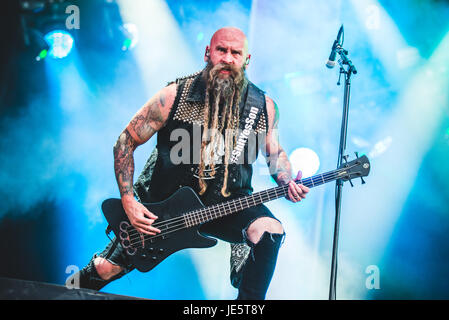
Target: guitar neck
229 207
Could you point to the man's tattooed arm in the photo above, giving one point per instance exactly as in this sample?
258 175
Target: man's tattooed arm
277 159
124 162
145 123
283 171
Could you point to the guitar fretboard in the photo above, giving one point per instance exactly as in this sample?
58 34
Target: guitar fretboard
213 212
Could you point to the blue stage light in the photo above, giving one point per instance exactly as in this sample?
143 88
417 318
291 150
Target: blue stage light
60 42
131 34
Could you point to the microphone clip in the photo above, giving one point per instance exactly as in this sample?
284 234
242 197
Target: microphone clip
344 60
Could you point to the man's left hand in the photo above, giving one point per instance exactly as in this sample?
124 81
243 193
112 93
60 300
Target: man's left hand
296 192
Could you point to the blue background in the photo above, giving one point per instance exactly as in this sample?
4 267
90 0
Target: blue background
60 119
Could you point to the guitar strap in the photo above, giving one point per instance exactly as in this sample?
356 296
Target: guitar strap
253 112
252 115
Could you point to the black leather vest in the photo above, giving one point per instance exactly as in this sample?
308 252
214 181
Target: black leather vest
179 144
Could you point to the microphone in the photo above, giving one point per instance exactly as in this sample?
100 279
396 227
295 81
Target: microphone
331 62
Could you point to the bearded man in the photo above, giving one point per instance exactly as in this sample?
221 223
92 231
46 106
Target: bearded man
218 108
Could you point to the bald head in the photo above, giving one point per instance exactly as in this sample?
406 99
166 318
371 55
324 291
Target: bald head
228 45
230 34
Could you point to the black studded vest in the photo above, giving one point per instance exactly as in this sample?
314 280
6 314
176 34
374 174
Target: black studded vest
179 143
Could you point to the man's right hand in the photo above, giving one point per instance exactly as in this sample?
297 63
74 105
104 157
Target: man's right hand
139 216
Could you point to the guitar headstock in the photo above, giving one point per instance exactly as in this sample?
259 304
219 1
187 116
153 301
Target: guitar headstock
357 168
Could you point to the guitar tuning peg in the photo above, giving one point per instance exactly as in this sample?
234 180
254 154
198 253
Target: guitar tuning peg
356 154
345 158
351 183
363 181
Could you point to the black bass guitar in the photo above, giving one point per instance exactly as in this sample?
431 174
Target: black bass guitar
181 215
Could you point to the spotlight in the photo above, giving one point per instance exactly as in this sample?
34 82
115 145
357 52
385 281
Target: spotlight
200 37
60 42
131 35
44 28
306 160
38 46
116 34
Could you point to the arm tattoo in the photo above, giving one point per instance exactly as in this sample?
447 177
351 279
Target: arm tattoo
142 127
146 123
280 167
283 173
124 163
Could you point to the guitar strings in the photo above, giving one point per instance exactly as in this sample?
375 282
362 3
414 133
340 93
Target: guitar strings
180 221
142 237
327 175
219 207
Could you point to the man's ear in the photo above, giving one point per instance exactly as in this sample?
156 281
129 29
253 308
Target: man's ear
248 57
207 54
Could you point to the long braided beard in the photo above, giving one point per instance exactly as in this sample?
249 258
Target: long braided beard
223 94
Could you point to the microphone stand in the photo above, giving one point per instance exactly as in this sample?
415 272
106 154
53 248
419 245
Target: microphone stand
348 72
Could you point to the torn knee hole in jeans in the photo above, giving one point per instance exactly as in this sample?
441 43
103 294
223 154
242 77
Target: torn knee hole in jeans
272 236
245 231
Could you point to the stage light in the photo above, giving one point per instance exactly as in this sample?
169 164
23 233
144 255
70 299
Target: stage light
44 26
60 42
306 160
42 55
131 34
200 37
38 46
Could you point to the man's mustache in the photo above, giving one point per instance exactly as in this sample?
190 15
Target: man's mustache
235 72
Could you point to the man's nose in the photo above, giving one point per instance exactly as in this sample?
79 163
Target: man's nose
227 58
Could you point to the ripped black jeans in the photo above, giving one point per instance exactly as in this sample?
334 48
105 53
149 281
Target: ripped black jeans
253 278
255 275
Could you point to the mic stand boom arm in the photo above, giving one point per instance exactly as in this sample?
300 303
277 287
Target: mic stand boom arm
344 61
